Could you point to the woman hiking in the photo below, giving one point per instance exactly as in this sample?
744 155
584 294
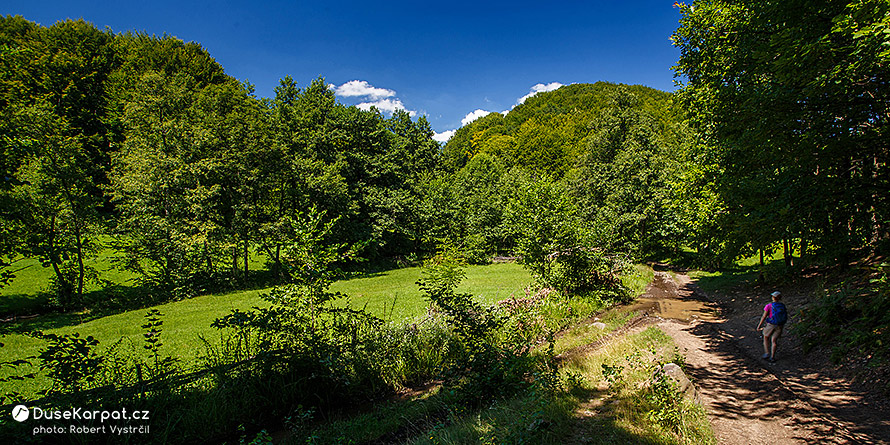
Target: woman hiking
775 315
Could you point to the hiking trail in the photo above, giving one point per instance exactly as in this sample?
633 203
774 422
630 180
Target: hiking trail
749 401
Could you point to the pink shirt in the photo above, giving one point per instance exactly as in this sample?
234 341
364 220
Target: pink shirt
769 312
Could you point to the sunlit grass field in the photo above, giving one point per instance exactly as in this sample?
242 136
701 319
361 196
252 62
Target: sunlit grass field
391 295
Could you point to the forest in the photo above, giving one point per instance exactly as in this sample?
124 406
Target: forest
127 154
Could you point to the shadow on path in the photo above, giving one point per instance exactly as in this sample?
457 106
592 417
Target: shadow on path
748 399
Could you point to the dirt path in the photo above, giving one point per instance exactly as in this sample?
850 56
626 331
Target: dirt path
750 401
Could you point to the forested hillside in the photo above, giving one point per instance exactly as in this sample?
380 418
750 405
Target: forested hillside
134 172
143 145
616 152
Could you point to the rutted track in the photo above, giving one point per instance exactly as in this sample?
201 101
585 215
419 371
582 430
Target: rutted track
636 324
750 401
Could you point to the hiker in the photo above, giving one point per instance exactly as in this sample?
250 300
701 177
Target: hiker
775 315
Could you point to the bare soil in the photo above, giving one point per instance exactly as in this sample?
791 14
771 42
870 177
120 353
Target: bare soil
797 399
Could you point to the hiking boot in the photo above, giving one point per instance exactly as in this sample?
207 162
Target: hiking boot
765 356
772 359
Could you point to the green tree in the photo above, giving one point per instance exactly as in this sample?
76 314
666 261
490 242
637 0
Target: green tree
56 144
348 162
553 242
56 203
300 171
621 182
187 179
151 181
793 99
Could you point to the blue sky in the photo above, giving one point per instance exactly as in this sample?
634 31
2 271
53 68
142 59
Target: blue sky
449 61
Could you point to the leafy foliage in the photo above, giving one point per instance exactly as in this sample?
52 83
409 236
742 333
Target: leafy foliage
792 98
303 334
489 364
850 317
554 242
71 361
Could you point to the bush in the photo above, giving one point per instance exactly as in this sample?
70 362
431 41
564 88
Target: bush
555 244
492 362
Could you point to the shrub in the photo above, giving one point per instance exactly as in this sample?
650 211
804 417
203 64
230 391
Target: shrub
492 362
555 245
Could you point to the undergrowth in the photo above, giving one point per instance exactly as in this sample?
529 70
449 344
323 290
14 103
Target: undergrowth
303 360
851 316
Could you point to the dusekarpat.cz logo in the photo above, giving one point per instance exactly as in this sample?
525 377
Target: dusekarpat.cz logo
21 413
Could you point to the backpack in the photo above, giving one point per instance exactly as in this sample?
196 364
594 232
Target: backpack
778 314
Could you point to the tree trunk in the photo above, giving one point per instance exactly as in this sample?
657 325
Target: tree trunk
246 258
760 276
235 261
278 256
81 272
786 244
209 259
878 228
65 288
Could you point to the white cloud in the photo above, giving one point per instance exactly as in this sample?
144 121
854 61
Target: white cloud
473 115
388 105
470 117
443 136
381 98
539 88
361 88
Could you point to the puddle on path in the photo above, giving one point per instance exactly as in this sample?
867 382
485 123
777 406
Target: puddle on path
662 299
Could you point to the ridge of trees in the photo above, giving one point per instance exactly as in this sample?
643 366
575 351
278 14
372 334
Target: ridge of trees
145 139
143 144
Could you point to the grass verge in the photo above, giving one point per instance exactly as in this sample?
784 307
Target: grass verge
608 396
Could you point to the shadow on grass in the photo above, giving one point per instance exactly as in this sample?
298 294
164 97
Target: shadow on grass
21 313
440 418
727 278
604 430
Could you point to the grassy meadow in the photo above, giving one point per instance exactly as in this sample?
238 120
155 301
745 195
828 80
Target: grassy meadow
392 295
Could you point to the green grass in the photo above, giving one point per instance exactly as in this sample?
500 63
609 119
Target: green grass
432 417
638 278
29 291
722 280
585 333
744 272
183 322
621 411
547 418
621 403
392 295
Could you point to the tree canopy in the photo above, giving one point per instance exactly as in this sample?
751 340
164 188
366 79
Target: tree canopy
792 98
143 142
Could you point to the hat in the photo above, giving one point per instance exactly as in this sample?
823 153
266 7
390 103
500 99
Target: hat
776 294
